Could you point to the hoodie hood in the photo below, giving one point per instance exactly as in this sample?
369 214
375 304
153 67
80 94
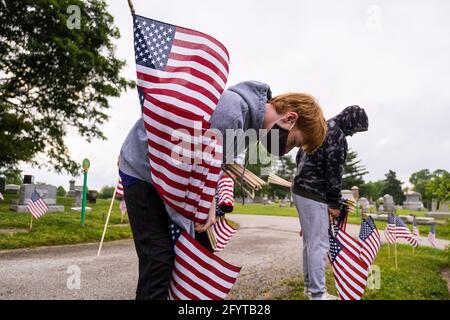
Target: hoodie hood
351 120
255 94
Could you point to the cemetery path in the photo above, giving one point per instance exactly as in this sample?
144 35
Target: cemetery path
267 247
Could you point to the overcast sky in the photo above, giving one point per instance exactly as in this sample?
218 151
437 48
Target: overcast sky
390 57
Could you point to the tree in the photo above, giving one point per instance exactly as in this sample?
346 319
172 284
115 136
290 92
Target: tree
372 189
61 191
438 186
419 181
54 74
353 171
393 187
106 192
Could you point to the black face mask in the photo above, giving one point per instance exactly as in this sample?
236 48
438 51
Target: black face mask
282 141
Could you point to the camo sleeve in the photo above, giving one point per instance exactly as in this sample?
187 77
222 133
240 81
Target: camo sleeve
334 169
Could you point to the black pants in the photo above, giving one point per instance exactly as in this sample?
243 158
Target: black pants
152 238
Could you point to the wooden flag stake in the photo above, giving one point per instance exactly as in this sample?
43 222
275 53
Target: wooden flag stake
107 219
31 222
395 253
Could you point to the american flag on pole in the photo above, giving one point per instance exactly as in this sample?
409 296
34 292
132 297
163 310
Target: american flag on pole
349 270
370 240
402 231
181 75
198 274
119 190
225 191
389 232
432 235
36 205
220 234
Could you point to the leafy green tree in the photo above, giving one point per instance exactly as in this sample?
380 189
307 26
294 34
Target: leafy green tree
353 171
14 177
372 189
55 73
393 186
438 186
61 191
106 192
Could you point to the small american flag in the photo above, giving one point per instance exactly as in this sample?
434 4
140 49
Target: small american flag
402 231
389 232
225 190
199 274
181 75
119 190
415 230
370 241
36 205
432 235
349 270
220 234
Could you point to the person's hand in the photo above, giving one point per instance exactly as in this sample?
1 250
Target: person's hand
199 227
334 213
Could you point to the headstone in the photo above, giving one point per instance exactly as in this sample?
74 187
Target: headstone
413 201
92 196
47 193
78 198
71 192
388 203
439 215
355 192
2 184
348 195
28 179
364 204
12 188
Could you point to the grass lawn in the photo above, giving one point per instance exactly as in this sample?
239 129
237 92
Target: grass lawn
442 231
418 276
60 227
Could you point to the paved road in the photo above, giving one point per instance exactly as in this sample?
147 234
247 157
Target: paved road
268 249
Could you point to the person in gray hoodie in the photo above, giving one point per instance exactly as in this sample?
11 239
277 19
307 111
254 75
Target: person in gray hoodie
294 119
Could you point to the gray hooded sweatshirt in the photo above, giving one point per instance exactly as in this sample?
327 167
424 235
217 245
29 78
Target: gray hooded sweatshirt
241 106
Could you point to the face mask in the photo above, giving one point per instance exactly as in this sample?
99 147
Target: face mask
283 134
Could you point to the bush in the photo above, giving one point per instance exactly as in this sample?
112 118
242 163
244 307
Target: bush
61 192
106 192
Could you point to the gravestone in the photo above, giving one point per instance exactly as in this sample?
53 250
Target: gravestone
348 195
388 203
12 189
47 193
355 192
364 204
79 200
2 184
71 192
92 196
413 201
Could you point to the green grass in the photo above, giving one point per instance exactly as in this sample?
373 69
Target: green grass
442 231
418 276
61 227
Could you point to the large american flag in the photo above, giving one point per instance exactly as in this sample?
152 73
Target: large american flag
402 231
199 274
181 75
36 205
369 239
220 234
349 270
432 235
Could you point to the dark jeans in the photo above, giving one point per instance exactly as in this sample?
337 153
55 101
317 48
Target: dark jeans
150 226
153 241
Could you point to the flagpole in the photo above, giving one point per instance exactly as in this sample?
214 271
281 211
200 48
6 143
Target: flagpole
107 219
395 253
130 4
31 222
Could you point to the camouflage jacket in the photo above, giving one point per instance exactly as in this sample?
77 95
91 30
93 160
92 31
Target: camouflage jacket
319 175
